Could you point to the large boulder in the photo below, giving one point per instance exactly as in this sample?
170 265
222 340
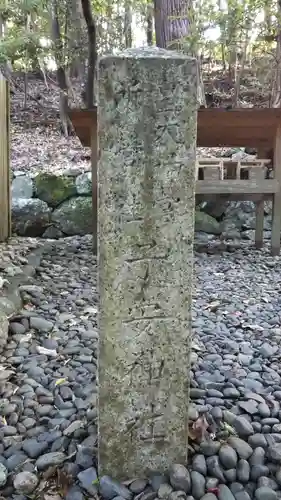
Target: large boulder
242 216
215 207
206 224
30 217
74 216
54 189
22 187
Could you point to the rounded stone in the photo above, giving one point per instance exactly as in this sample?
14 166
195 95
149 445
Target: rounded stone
228 456
180 478
54 189
243 449
74 216
25 482
198 485
265 493
3 474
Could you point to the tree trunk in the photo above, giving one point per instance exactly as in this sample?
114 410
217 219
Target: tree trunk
240 72
77 40
27 27
172 23
61 74
149 24
276 93
128 25
92 53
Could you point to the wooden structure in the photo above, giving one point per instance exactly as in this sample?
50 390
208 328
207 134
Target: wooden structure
5 210
258 128
251 127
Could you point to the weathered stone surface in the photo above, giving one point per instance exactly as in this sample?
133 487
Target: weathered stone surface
74 216
22 187
30 217
25 482
84 183
146 211
205 223
54 189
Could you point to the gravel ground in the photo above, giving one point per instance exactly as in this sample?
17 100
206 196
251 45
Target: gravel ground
48 385
13 255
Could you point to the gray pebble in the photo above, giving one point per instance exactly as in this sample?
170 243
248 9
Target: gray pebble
257 440
274 452
264 410
225 493
242 495
228 456
243 427
209 448
198 485
25 482
258 471
250 406
230 475
231 393
242 448
89 480
164 491
84 458
214 468
267 481
34 448
243 471
49 460
138 486
40 324
199 464
265 493
258 456
74 493
180 478
109 488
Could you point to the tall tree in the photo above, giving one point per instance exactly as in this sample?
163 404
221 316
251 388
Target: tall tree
174 30
172 22
92 52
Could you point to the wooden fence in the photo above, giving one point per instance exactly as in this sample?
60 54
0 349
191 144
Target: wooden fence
5 209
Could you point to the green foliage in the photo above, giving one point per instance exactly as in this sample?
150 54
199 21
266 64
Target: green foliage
28 23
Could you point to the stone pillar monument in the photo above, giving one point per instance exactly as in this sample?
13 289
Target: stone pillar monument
147 137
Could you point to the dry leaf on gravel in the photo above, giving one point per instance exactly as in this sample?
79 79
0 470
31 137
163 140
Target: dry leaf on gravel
198 430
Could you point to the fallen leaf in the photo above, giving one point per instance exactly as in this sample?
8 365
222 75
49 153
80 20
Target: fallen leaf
60 381
198 430
47 352
213 306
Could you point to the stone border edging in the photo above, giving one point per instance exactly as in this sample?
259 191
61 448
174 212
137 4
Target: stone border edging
10 297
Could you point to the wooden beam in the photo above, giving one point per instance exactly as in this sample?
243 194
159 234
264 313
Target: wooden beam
269 186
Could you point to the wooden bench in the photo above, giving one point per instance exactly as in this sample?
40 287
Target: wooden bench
242 180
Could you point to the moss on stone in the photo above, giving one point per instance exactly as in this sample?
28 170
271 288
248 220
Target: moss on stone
54 189
207 224
74 216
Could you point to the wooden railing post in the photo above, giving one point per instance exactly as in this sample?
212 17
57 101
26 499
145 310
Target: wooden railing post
276 205
5 209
